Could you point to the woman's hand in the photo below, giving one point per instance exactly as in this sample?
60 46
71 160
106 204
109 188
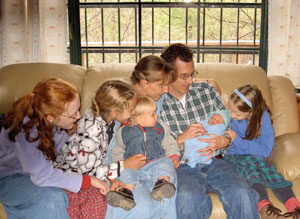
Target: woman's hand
135 162
191 132
100 184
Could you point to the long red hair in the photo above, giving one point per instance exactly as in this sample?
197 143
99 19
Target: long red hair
49 97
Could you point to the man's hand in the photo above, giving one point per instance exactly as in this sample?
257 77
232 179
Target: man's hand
212 82
100 184
175 161
191 132
135 162
215 142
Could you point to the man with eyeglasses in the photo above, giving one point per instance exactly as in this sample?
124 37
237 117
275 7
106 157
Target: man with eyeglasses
186 104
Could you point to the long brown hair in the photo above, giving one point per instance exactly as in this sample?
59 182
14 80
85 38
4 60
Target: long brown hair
49 97
253 94
153 68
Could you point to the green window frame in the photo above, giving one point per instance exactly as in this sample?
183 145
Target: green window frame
200 47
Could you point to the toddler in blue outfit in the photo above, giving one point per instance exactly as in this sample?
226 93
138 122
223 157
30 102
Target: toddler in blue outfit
217 123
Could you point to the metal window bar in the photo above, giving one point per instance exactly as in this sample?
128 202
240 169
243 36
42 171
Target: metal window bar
169 24
238 34
135 35
198 32
186 25
221 29
102 30
152 11
86 38
119 31
200 49
254 32
203 34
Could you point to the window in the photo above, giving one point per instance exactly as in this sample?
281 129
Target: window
230 31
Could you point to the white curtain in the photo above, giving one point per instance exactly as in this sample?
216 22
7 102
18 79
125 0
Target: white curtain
33 31
284 39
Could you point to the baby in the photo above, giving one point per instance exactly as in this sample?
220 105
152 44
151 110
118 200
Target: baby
216 124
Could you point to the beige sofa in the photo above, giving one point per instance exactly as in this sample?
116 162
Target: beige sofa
19 79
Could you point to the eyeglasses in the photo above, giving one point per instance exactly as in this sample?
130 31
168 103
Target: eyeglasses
186 76
73 116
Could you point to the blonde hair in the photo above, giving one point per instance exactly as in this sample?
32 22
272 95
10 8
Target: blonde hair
112 95
144 105
254 95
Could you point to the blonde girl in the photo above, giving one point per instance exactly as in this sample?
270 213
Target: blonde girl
86 149
35 129
252 142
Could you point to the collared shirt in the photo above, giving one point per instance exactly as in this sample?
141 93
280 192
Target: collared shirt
201 100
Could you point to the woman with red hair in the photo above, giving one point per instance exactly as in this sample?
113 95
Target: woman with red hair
35 129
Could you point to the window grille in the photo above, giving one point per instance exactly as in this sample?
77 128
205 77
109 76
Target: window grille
230 31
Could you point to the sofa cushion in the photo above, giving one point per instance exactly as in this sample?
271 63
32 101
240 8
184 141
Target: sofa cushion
285 111
230 76
18 80
285 155
96 75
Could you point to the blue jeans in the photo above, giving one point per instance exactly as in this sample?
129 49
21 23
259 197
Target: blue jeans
193 184
145 178
151 171
22 199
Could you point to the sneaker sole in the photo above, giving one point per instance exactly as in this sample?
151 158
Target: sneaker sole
117 200
164 191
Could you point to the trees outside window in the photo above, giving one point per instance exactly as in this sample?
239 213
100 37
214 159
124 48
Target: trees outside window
227 31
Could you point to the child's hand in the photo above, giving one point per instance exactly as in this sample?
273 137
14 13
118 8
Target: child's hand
116 184
232 134
135 162
175 161
103 186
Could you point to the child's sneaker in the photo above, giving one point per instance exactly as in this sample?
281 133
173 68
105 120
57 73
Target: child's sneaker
122 198
270 212
163 189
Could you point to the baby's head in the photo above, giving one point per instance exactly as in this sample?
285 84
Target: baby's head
219 117
114 100
145 112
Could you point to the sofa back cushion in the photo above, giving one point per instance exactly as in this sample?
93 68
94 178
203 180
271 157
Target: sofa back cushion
96 75
285 111
230 76
18 80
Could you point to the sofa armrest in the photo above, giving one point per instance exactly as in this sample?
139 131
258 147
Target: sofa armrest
285 155
2 212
